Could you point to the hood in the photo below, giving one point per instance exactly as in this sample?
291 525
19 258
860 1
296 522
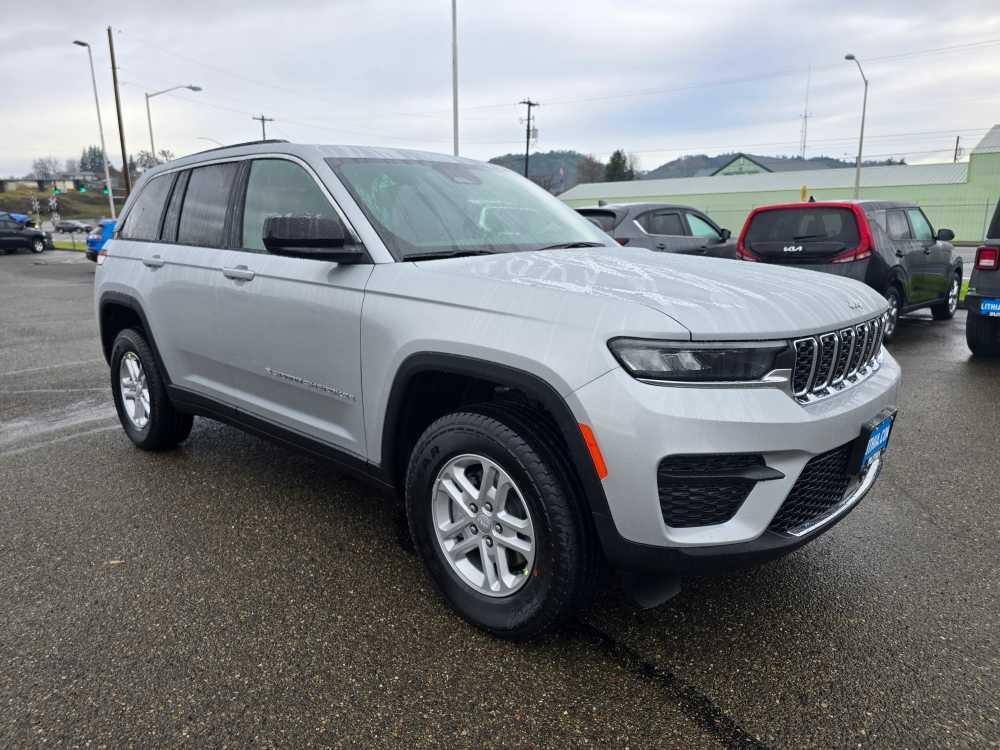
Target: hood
714 298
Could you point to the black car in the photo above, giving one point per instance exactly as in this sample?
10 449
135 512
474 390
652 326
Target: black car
982 326
15 235
71 226
888 245
663 227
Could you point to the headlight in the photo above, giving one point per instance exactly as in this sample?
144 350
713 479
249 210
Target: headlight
697 362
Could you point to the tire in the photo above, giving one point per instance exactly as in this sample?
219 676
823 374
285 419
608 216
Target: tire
37 246
151 423
982 335
895 299
540 593
946 310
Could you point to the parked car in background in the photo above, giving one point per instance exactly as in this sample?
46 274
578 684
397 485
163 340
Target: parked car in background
663 227
15 235
982 325
70 226
97 238
890 246
541 400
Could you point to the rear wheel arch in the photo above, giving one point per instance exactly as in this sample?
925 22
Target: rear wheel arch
118 311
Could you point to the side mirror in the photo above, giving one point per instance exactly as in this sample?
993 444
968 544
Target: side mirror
725 234
318 238
945 235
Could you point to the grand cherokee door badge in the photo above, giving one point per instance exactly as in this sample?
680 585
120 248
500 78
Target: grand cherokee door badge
329 389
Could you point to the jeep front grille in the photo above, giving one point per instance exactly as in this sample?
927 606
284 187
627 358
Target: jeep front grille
830 362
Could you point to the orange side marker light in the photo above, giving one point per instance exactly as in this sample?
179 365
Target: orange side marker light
595 451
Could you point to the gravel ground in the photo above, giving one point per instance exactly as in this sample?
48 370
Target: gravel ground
233 593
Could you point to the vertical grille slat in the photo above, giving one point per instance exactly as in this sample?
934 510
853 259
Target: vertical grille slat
834 360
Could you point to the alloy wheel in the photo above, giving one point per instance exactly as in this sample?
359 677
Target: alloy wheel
134 390
892 317
483 526
953 296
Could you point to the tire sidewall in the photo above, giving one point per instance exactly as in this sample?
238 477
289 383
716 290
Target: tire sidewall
37 246
892 294
125 343
495 613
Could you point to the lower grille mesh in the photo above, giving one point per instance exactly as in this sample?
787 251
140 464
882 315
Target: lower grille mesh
694 490
819 489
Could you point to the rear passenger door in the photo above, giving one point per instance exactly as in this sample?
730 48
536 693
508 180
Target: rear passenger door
290 328
910 253
666 231
937 255
182 268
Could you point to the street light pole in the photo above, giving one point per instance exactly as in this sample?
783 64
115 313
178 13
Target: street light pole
454 72
861 138
100 129
149 117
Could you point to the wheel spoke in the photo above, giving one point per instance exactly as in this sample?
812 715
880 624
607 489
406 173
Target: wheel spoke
518 524
489 478
489 566
461 549
455 528
454 492
515 543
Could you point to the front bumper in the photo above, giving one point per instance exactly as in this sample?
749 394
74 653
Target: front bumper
638 424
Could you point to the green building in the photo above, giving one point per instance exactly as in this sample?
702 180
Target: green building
959 196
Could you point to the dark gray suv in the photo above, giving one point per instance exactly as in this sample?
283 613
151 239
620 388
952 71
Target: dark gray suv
982 326
664 227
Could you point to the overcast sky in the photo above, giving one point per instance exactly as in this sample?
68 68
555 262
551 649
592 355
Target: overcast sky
656 78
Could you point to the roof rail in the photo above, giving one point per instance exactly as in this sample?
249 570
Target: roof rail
234 145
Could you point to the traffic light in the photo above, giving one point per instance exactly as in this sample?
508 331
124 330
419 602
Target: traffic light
104 191
82 189
55 190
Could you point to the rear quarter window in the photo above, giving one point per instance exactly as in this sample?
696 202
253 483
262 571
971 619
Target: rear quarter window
805 225
206 200
143 220
606 219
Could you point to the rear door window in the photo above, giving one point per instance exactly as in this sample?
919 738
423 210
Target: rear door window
898 226
663 222
921 227
143 220
206 200
701 228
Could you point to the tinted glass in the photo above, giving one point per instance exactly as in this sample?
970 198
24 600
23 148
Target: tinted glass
898 227
174 208
879 218
279 188
421 207
701 228
143 222
921 227
203 218
606 219
662 223
805 225
994 230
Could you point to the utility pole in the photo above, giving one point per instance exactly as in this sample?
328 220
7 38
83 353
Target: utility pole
263 127
454 72
957 150
118 107
805 116
100 130
861 137
527 133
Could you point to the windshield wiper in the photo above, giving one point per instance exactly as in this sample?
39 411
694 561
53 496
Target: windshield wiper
805 237
569 245
446 254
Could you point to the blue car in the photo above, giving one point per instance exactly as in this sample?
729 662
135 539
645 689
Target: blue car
96 239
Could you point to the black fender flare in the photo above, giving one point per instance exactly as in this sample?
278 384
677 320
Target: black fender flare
531 385
126 300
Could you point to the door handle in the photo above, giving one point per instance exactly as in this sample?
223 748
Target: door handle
661 246
240 273
155 262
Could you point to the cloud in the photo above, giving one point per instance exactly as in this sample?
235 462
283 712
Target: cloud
726 75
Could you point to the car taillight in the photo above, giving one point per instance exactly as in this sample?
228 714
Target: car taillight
987 258
862 251
622 241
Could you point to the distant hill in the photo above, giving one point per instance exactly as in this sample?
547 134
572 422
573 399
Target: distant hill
544 168
697 165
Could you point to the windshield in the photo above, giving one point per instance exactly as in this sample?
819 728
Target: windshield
439 207
804 225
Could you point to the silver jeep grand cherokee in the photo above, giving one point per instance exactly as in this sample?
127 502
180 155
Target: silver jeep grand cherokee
545 402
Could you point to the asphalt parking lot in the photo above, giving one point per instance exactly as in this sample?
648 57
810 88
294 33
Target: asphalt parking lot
235 593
